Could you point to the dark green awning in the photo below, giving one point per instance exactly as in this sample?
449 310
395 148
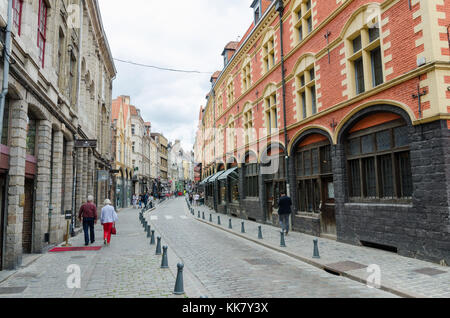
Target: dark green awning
229 173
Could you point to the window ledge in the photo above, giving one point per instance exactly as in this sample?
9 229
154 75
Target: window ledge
306 215
379 204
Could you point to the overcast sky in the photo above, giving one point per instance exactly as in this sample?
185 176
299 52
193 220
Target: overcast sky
188 35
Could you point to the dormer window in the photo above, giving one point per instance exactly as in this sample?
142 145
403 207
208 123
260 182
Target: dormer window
256 5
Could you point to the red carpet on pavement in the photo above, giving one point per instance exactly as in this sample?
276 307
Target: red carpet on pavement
75 249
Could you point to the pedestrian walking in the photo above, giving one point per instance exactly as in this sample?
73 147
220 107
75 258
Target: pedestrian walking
108 218
88 212
135 201
284 211
140 201
190 198
196 198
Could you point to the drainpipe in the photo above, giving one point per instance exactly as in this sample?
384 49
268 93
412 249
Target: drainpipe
280 9
6 63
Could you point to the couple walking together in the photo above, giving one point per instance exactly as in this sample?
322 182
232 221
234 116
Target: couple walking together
108 217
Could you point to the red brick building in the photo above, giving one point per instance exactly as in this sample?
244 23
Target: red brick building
356 127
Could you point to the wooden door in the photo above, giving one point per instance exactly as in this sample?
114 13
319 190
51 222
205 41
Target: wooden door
27 231
328 217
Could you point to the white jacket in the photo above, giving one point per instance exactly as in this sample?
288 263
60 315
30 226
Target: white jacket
108 215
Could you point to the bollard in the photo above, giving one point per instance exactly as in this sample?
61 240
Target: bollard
218 219
316 249
179 289
260 233
282 242
203 215
242 228
198 214
210 217
164 261
158 246
230 226
148 231
152 240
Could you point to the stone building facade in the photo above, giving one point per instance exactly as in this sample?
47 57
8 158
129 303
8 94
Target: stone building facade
344 106
44 119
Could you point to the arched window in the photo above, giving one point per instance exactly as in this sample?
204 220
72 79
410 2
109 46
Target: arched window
248 123
268 51
305 81
302 19
363 51
378 159
246 74
230 91
270 109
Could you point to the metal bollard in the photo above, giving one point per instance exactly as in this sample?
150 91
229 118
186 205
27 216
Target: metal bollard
179 289
152 240
242 228
218 219
198 214
282 242
164 261
203 215
230 226
158 246
210 217
148 231
316 249
260 233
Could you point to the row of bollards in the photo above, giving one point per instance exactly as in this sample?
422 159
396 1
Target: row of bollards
260 236
178 289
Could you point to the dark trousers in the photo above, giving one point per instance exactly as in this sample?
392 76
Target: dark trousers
88 225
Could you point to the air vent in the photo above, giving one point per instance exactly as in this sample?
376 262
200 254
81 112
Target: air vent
387 248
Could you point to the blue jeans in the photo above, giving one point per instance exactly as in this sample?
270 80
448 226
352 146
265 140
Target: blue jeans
88 226
284 222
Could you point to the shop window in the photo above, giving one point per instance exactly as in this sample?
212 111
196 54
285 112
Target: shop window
379 165
251 180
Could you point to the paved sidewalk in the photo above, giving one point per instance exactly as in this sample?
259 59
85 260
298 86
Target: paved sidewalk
400 275
128 268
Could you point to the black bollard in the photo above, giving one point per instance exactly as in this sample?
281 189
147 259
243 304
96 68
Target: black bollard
203 215
198 214
148 231
158 246
179 289
210 217
242 228
218 219
152 240
282 242
260 233
316 249
164 261
230 226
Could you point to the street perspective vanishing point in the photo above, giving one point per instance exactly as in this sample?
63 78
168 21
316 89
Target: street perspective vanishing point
242 151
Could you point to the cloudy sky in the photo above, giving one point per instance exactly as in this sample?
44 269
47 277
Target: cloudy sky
180 34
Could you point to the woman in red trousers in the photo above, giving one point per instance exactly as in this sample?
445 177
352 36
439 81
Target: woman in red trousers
108 218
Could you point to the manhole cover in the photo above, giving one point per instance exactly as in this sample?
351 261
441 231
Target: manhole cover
346 266
429 271
262 261
11 290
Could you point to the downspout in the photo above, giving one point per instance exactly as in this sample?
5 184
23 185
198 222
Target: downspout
75 150
280 9
6 63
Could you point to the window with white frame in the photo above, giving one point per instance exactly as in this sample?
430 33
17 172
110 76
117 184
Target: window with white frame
271 113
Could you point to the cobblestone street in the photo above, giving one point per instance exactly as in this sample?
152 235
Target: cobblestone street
219 263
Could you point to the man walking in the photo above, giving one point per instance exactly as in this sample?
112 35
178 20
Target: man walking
284 211
88 212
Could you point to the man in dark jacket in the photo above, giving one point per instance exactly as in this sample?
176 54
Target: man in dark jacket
88 212
284 211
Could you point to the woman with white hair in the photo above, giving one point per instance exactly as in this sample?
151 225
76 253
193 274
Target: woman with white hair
108 218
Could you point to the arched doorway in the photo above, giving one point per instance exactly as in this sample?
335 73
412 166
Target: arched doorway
273 172
314 182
